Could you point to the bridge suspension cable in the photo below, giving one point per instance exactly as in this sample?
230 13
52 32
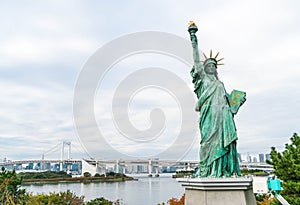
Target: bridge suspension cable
51 150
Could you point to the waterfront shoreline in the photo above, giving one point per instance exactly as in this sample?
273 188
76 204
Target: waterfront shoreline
76 180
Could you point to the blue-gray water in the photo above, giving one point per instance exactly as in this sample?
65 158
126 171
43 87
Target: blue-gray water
146 191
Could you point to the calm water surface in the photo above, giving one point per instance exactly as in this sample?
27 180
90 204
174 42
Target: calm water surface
145 191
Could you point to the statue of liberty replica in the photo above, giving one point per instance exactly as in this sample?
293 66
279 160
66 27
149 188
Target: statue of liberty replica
218 153
217 180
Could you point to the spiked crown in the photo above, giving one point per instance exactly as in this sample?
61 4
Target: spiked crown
211 59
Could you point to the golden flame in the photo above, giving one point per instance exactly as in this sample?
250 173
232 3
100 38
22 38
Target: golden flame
192 23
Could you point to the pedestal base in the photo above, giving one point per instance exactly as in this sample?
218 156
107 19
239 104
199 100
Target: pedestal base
218 191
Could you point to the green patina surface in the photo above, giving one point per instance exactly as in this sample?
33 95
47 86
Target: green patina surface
218 153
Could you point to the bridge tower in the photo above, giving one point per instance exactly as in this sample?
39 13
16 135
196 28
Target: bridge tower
63 153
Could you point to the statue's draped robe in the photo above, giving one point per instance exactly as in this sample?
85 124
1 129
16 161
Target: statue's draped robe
218 153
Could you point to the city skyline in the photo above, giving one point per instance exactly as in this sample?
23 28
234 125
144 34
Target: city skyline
46 44
243 157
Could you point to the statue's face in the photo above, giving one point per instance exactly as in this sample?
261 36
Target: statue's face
210 68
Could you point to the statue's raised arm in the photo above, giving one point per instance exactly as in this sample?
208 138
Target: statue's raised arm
192 30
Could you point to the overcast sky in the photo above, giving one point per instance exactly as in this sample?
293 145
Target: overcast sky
44 45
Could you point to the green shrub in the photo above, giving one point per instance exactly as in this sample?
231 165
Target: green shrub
61 198
10 192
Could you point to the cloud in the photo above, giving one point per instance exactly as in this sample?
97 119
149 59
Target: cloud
35 50
44 47
32 115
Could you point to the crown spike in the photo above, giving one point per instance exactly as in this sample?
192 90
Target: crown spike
220 64
217 55
220 59
204 56
210 55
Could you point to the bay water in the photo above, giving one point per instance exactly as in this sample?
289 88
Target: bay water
144 191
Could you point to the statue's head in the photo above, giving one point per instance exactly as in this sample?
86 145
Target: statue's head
210 64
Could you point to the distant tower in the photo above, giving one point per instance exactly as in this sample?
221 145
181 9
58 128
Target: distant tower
248 157
240 157
63 153
261 157
254 159
268 157
140 169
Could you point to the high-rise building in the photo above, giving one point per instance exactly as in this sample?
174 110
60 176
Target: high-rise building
140 169
268 157
254 159
249 158
261 157
30 166
239 157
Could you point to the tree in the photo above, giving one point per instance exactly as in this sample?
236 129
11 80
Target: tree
174 201
97 175
62 198
44 175
10 192
87 174
287 168
102 201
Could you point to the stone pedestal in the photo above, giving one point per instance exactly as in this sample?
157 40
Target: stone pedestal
218 191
